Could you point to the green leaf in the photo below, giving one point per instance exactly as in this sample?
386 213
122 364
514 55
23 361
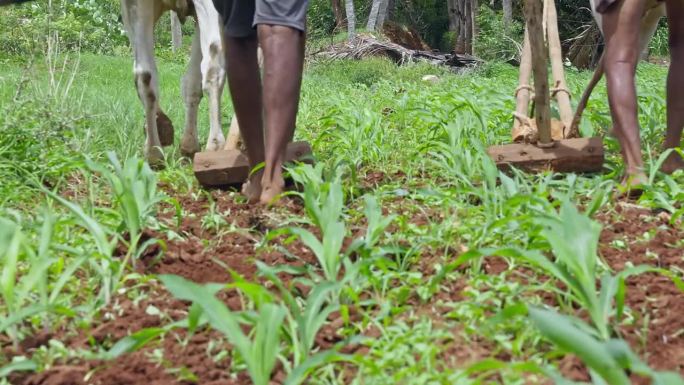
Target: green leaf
11 241
561 330
266 345
300 373
134 342
667 378
96 230
24 365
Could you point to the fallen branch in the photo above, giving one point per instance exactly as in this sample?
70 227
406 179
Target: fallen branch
364 46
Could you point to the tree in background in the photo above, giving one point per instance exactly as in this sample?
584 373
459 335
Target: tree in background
351 18
377 16
340 20
507 13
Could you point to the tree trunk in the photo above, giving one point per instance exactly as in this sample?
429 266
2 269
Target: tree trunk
474 11
339 14
176 33
373 16
460 47
507 13
382 14
467 32
351 19
391 8
452 12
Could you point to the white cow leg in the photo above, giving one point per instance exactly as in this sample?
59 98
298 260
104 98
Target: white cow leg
192 95
233 139
139 20
212 67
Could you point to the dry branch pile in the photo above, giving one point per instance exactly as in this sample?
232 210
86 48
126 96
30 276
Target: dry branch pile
365 45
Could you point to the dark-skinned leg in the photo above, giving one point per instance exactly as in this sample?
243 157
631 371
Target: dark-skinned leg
675 86
245 89
621 31
283 49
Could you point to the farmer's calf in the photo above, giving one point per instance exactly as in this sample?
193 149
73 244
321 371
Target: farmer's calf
627 27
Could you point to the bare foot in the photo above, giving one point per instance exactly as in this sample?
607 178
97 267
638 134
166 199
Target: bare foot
271 190
673 163
252 188
632 185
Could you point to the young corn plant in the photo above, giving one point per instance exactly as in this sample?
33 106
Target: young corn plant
608 361
260 352
262 346
134 189
573 239
324 204
28 288
304 320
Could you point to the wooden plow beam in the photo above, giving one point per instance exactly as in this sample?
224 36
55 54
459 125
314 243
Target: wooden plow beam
543 143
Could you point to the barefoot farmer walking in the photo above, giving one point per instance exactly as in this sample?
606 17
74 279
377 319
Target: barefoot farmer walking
266 115
621 20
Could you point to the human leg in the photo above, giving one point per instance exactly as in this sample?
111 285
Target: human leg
283 62
281 31
621 33
675 86
245 84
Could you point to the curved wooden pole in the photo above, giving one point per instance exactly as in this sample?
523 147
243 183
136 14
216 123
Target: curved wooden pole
542 111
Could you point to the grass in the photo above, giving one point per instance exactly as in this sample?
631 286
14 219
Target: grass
413 269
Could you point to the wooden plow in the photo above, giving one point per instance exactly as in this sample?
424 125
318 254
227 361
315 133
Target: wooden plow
541 142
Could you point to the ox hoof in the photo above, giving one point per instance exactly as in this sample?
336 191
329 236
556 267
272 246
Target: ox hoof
164 129
189 147
155 157
216 144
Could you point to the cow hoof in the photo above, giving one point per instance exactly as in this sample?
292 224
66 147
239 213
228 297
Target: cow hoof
164 129
155 157
189 147
216 144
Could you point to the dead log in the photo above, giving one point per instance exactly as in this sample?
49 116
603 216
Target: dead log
365 45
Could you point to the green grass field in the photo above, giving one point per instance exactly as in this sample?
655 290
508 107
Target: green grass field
406 258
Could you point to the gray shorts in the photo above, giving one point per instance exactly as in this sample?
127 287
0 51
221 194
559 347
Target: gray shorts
240 17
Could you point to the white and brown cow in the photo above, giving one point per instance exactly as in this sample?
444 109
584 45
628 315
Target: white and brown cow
205 74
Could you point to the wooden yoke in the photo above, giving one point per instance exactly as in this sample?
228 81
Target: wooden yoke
540 143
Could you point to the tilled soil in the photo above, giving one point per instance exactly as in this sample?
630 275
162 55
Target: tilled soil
638 237
193 258
630 235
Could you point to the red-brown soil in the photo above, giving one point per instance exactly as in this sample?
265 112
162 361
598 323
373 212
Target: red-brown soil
195 259
657 332
660 341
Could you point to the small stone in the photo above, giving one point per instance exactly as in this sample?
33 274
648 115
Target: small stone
430 78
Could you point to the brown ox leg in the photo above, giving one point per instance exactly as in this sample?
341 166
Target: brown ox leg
621 31
675 86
